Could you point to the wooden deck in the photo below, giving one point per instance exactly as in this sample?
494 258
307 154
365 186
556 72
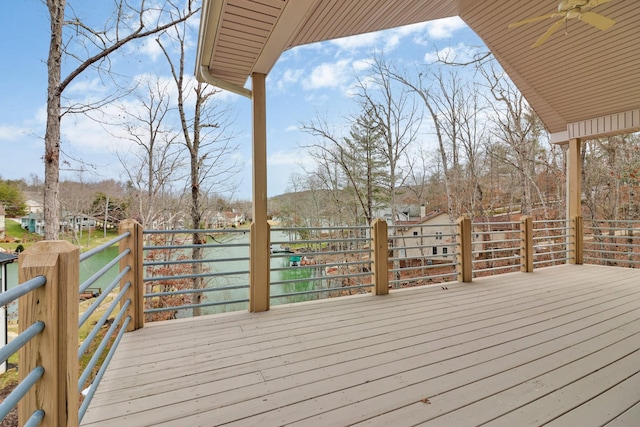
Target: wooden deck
558 347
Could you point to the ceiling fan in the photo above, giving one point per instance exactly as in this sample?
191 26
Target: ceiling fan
569 9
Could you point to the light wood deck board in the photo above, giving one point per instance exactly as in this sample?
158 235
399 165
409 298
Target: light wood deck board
372 359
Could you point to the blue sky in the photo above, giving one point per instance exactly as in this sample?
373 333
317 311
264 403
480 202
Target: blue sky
306 82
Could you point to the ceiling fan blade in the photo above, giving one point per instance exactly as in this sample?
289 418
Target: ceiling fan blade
601 22
594 3
534 19
552 29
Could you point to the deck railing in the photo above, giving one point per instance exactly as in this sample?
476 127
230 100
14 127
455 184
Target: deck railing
612 243
378 257
316 262
49 350
422 254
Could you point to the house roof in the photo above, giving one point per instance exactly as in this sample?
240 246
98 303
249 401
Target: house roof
417 221
7 258
582 84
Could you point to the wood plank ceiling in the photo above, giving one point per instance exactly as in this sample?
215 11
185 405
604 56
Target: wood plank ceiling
582 83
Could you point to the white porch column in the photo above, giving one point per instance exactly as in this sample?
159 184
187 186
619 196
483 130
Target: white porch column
259 268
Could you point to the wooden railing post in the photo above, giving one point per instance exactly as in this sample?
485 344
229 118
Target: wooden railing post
259 267
526 244
56 347
134 276
576 233
465 258
380 242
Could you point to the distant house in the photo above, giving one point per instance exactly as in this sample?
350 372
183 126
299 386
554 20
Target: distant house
76 221
34 206
33 223
3 229
227 219
432 235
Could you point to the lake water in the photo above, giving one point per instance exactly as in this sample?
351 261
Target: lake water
301 275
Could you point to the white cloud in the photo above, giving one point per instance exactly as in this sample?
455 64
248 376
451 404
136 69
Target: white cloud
444 28
12 133
329 75
358 42
458 53
287 79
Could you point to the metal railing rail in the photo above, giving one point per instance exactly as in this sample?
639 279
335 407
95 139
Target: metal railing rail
612 242
550 242
11 401
418 248
174 276
117 327
338 255
485 247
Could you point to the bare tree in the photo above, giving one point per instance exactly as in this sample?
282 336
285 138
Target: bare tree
395 117
518 127
89 48
154 163
206 133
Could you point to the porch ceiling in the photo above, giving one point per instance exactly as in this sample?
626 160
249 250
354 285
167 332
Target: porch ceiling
585 83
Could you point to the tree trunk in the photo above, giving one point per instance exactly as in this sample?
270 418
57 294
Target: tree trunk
52 132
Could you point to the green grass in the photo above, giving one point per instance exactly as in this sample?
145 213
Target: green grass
18 236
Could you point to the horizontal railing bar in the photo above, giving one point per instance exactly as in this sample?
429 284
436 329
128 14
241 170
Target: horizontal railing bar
451 225
539 254
605 228
503 267
600 251
13 294
337 228
425 247
201 231
194 291
617 261
20 341
317 265
189 307
411 236
421 267
91 280
552 261
492 250
624 245
489 224
323 253
90 337
323 241
193 246
550 238
103 344
94 306
103 247
540 230
35 419
315 279
430 256
614 221
12 400
193 261
193 276
102 370
317 291
506 258
412 279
